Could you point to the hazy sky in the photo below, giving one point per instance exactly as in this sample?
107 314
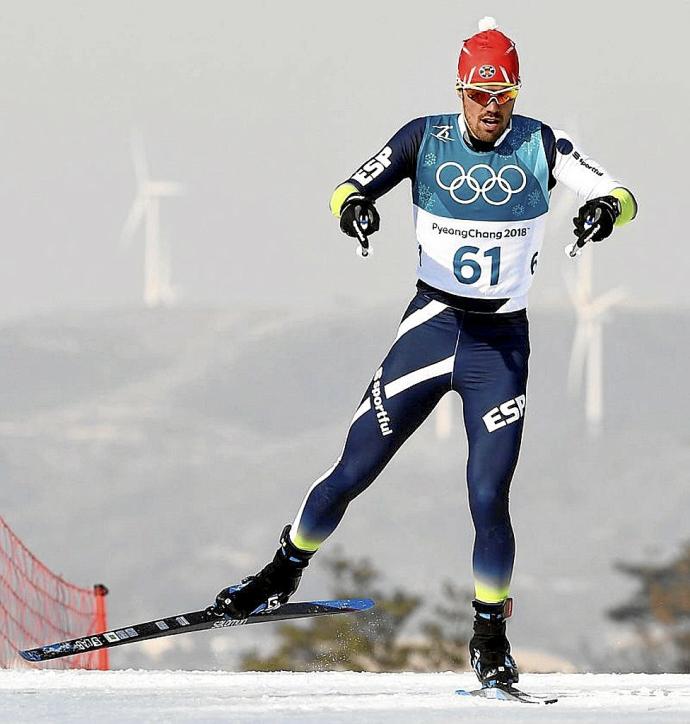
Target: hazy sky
262 107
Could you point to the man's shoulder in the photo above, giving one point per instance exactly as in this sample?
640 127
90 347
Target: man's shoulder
527 130
520 122
435 119
441 119
443 126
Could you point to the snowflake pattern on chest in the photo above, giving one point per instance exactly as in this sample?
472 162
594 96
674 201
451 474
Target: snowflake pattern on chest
523 134
534 198
426 197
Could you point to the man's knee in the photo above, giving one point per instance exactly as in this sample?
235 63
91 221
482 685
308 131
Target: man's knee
489 502
353 479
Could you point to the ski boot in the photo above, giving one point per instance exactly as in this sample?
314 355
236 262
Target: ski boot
489 648
271 586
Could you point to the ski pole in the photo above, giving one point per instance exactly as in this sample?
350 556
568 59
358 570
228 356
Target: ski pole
573 250
360 225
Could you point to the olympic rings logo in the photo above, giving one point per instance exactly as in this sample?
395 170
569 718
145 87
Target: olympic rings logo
482 189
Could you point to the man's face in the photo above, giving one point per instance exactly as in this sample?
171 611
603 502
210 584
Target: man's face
487 123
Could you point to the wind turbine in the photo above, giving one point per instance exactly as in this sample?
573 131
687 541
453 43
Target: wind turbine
587 356
146 208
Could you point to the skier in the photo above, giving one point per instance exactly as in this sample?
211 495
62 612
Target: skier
481 184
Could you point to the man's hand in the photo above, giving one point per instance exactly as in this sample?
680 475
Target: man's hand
359 213
602 212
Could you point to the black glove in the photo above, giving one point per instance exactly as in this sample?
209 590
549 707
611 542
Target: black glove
360 210
602 211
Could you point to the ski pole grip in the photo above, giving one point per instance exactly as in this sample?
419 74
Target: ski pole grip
364 249
572 250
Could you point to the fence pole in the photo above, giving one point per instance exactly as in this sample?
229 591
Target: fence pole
101 591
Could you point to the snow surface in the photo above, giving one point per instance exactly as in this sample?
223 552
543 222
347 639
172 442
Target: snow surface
174 696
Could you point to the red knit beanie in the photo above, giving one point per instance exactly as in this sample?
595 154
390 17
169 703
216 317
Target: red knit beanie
488 57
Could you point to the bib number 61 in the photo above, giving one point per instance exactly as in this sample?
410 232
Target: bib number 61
468 270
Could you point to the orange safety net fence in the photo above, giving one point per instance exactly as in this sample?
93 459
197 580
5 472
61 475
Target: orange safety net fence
39 607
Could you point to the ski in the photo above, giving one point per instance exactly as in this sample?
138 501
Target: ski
188 622
505 692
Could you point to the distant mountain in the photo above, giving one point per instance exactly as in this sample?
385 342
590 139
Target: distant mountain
161 452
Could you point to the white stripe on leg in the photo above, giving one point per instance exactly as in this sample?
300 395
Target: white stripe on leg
419 317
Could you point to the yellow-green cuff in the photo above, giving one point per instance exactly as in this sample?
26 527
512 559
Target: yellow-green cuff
340 195
488 593
304 544
628 205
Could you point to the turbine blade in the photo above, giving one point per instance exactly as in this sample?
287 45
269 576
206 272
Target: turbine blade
136 214
609 299
164 188
580 281
594 409
574 291
141 167
578 355
444 418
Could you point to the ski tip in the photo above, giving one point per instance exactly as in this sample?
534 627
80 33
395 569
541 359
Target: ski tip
30 655
348 604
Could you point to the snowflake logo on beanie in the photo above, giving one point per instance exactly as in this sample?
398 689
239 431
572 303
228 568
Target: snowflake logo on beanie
487 71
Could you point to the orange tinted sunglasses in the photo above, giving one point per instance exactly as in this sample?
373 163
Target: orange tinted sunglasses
484 97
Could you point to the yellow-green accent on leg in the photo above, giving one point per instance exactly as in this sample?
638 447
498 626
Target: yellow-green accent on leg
628 205
490 594
304 544
340 195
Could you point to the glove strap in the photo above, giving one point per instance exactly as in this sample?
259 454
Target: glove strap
356 199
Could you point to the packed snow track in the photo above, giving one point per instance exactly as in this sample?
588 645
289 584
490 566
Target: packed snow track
201 696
